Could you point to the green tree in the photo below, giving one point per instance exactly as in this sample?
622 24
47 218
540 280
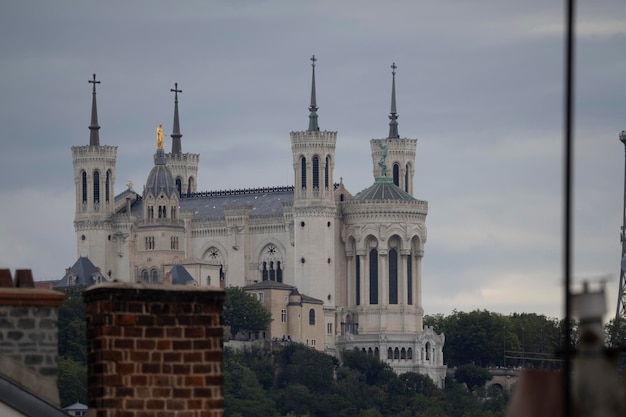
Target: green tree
615 333
72 326
243 394
243 312
471 375
72 382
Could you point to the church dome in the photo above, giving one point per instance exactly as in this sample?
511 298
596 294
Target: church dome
160 178
383 189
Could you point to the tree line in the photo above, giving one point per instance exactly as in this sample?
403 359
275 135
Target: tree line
476 339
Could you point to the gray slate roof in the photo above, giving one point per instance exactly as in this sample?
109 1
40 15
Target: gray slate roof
84 273
210 205
180 275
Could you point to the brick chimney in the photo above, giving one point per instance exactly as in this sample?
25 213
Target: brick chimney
29 333
154 350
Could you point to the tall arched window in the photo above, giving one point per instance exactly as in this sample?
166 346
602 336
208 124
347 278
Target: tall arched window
144 276
190 185
154 277
265 273
84 186
406 178
374 276
303 172
279 272
393 276
96 186
396 174
357 284
179 186
327 172
107 187
427 351
390 353
316 172
312 317
409 279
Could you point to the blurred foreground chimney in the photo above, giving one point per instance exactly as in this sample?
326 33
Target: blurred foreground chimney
154 350
29 333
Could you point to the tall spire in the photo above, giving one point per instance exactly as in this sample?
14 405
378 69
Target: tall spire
94 137
313 126
393 117
176 146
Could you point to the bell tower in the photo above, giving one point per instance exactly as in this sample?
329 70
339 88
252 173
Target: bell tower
314 208
94 179
183 166
399 153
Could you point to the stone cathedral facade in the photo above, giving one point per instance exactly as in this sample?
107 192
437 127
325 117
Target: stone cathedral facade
338 270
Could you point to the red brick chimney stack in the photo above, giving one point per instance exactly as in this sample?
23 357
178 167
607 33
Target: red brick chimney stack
154 350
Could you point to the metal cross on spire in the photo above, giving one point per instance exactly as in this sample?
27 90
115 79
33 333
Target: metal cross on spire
176 135
175 90
94 137
94 82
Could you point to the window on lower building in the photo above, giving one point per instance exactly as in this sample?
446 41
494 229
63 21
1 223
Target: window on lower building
312 317
283 316
329 328
313 343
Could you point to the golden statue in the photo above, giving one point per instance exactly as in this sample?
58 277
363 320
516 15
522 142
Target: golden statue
160 137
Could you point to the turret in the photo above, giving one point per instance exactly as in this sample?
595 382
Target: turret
183 166
394 157
94 179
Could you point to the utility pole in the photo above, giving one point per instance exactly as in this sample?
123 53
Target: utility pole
621 294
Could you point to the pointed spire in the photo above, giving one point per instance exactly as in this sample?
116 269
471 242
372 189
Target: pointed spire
94 137
393 117
176 145
313 126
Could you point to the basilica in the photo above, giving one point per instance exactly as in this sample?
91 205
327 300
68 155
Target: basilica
338 270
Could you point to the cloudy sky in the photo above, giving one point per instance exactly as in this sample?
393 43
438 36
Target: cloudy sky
479 83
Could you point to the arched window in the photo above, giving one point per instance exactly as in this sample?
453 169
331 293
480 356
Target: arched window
409 353
312 317
271 261
342 197
303 172
357 284
409 279
96 186
393 276
396 174
390 353
144 276
327 172
154 276
107 187
84 186
396 353
406 178
374 276
179 186
265 273
316 172
370 352
427 351
403 353
377 353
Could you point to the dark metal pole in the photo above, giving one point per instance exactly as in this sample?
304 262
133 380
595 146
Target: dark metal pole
568 186
621 294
